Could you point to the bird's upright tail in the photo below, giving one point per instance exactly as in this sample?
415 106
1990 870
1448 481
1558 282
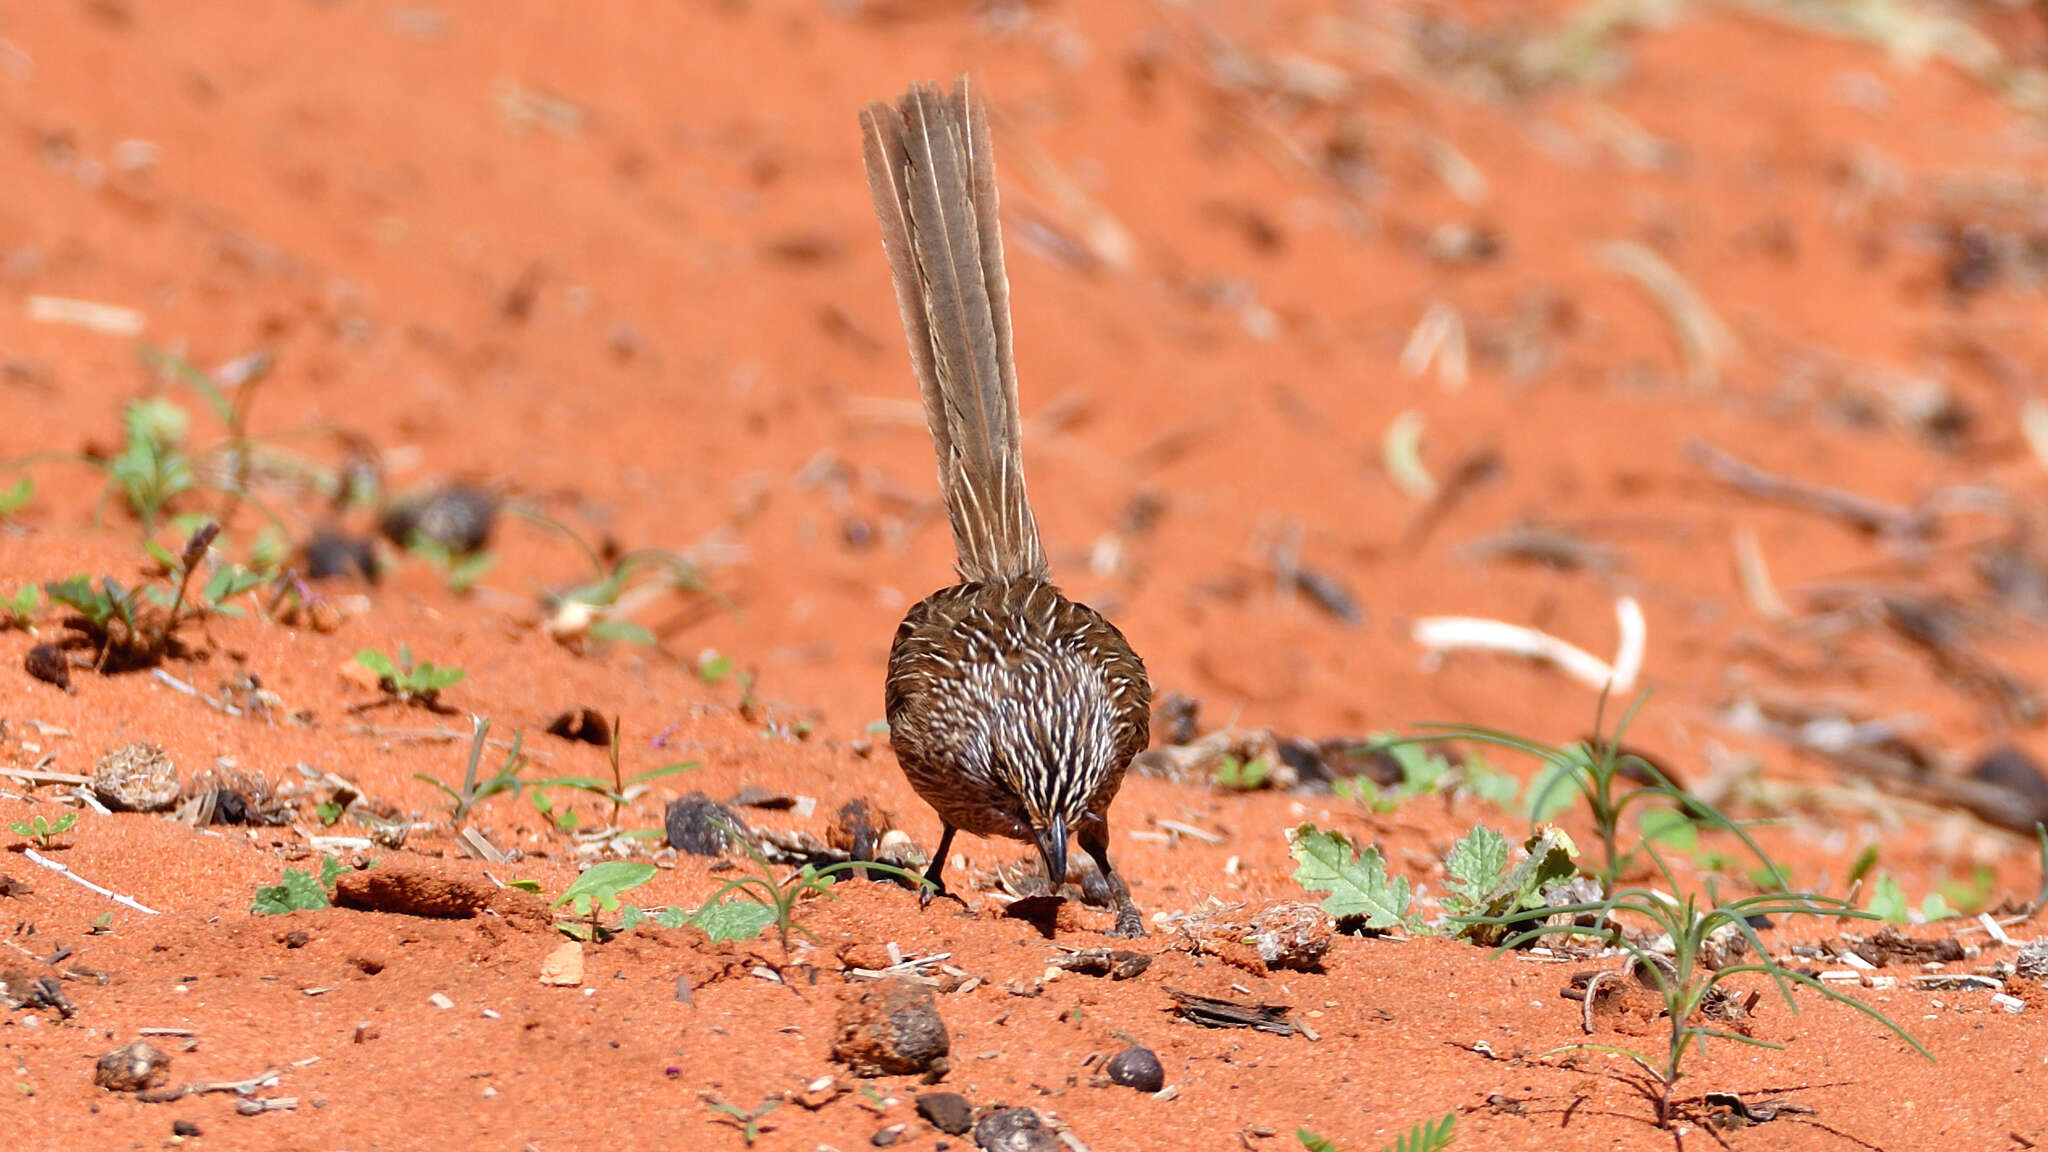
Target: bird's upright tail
933 178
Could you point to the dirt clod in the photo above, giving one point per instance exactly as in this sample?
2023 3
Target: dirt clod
2032 960
701 826
47 662
949 1112
184 1128
1138 1068
132 1068
1292 935
136 777
411 889
892 1029
1015 1130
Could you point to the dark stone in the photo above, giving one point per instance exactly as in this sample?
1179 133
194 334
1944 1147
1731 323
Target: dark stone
1136 1068
458 517
1177 719
893 1029
184 1128
330 554
949 1112
1015 1130
230 807
297 938
47 662
888 1136
1306 758
2014 771
701 826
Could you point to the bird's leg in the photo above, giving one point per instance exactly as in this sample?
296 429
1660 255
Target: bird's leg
1094 840
934 883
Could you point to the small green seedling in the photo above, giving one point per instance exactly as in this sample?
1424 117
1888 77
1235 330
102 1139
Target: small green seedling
622 790
299 891
1426 1136
138 627
474 791
749 1123
19 610
102 925
16 496
1237 775
408 682
44 831
1357 883
597 890
1888 903
461 570
765 901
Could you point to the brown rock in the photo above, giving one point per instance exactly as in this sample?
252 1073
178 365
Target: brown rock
48 663
132 1068
893 1029
410 888
136 778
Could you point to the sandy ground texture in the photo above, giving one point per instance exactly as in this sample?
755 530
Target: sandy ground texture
1331 318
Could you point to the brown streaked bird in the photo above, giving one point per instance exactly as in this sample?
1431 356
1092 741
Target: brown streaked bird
1013 710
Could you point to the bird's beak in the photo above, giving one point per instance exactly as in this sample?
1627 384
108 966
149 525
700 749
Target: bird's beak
1052 846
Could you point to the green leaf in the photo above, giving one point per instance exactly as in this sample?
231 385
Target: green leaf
1427 1137
1672 827
330 870
1936 907
602 883
379 663
622 632
64 823
1313 1142
1888 901
1496 788
328 813
1358 885
297 891
712 667
16 496
631 918
1553 790
733 919
672 917
1476 866
664 770
532 886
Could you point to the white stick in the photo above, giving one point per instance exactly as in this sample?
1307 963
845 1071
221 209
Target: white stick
75 878
1471 633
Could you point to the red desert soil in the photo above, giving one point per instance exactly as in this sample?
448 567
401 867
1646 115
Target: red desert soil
617 264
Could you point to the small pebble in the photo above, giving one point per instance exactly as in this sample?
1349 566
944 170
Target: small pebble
1136 1068
184 1128
440 1001
888 1136
949 1112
